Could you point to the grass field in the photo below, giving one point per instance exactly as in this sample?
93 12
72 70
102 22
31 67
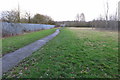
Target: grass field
13 43
74 53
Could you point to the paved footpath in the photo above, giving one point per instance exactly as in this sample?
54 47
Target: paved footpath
12 59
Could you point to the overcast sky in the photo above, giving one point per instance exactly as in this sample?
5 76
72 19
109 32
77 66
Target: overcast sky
61 10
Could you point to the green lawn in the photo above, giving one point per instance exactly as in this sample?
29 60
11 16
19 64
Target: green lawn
11 44
73 54
0 47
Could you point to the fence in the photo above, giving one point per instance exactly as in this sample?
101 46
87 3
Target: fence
10 29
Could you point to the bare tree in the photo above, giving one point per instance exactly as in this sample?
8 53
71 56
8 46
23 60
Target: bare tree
101 18
119 10
18 13
28 16
106 8
77 17
116 14
10 16
114 17
82 17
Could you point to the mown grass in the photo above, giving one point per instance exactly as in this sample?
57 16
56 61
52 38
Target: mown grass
11 44
72 54
0 47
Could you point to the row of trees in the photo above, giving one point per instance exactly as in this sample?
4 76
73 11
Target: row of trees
14 16
107 21
80 17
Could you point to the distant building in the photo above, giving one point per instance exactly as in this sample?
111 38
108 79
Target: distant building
119 10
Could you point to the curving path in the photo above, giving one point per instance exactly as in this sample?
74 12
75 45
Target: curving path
12 59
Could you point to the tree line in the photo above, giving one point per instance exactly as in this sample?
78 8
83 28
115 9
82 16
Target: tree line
107 21
14 16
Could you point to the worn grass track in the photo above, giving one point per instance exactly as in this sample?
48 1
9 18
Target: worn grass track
11 44
73 54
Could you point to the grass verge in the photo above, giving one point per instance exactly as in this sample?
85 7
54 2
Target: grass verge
72 54
11 44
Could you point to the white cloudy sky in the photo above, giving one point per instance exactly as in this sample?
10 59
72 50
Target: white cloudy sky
61 10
